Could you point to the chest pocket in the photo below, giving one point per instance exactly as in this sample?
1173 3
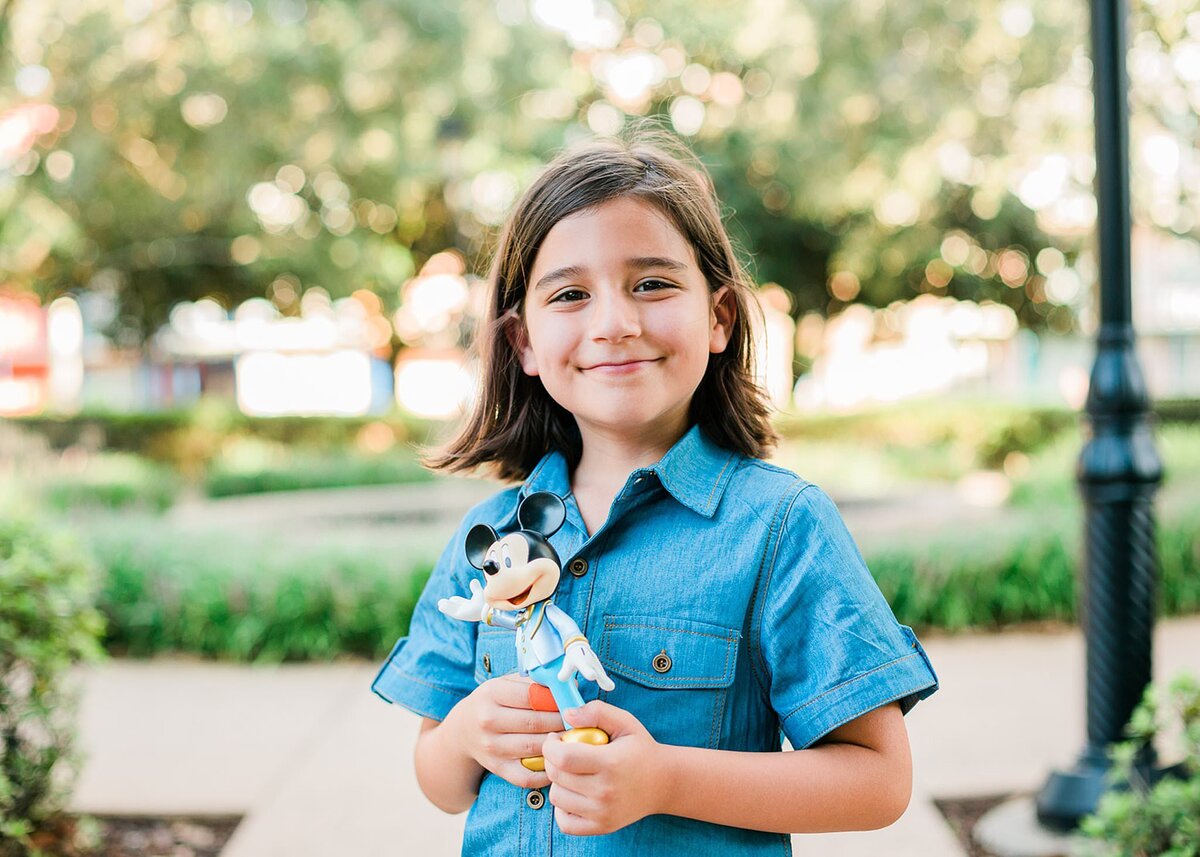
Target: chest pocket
672 674
495 653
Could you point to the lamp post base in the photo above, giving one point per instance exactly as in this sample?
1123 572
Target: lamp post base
1068 796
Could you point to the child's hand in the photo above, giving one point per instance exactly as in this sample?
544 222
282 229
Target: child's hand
496 727
601 789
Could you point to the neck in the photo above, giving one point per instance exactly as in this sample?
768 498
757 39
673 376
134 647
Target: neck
610 456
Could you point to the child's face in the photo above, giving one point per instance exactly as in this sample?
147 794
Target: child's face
619 320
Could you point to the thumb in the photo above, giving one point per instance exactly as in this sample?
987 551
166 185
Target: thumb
615 721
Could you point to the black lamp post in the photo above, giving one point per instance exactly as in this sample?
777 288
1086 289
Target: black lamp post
1119 469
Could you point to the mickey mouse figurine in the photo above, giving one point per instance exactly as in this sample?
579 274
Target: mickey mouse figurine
522 571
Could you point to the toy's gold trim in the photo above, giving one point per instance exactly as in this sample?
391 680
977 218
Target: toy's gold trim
578 638
487 617
540 617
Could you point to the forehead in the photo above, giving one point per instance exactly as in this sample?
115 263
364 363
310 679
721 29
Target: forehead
607 235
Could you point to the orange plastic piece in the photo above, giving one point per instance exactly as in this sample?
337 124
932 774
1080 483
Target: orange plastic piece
540 698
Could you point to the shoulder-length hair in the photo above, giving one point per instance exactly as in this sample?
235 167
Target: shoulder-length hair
514 421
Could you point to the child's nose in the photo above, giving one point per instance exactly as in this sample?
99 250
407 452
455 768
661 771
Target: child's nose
615 317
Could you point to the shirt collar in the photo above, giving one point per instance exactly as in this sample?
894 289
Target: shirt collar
695 471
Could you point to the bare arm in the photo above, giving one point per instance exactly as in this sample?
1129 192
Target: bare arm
858 778
447 775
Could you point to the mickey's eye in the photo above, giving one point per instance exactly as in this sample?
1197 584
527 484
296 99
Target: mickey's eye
507 558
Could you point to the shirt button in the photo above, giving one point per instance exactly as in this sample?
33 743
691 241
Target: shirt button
578 567
661 662
487 663
534 799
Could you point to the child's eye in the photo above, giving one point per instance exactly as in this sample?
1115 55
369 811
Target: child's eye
653 285
569 296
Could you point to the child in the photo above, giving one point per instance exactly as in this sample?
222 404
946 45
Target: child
722 594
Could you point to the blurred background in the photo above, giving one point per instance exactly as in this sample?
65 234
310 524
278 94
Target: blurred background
242 248
242 251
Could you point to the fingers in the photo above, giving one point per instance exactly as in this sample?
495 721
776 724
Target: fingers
476 589
514 772
581 759
605 682
569 801
499 720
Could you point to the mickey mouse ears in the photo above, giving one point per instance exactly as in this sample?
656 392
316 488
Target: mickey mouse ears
542 512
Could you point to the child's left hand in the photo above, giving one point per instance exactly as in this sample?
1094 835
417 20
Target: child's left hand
599 789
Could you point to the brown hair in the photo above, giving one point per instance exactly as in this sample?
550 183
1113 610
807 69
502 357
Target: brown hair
514 421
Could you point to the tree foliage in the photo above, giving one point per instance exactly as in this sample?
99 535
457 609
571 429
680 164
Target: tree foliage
235 149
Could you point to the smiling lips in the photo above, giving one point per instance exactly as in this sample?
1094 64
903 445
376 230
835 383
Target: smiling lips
619 368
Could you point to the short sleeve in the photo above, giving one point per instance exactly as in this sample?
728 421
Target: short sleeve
830 646
432 668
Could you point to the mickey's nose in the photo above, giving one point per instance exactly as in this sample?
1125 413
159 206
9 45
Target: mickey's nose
490 566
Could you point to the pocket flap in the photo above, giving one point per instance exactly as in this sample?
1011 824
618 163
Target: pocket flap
659 652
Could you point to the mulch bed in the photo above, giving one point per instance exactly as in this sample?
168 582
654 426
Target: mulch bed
138 836
963 814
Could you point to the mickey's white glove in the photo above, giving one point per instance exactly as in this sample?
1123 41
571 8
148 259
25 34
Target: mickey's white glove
580 658
473 609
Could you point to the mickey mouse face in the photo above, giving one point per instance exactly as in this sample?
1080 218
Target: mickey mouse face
514 579
521 568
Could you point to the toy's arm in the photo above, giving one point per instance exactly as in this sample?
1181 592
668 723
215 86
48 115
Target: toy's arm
577 654
500 618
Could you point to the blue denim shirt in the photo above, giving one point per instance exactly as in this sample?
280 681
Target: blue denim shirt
741 572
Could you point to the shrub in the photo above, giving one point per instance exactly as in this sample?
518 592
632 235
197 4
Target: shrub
252 600
113 481
310 471
1163 819
47 624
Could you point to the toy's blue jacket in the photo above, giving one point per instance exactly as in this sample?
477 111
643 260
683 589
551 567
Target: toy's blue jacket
740 572
540 635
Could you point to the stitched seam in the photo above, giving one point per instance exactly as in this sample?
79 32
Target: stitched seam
714 732
755 640
429 685
659 677
724 467
851 682
843 722
611 625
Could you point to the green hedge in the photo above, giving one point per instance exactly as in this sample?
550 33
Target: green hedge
113 481
1023 576
242 600
189 440
246 600
47 625
309 471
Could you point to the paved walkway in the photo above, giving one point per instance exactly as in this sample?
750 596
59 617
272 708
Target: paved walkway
319 766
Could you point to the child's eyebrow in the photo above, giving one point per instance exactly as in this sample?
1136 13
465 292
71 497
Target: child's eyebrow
571 272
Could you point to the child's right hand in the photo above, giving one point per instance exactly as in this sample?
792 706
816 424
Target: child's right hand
496 727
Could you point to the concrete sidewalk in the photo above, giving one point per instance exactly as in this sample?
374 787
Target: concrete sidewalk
320 766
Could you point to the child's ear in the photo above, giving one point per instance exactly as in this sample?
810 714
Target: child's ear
518 339
722 315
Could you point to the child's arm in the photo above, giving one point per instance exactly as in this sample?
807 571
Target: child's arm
492 729
858 778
